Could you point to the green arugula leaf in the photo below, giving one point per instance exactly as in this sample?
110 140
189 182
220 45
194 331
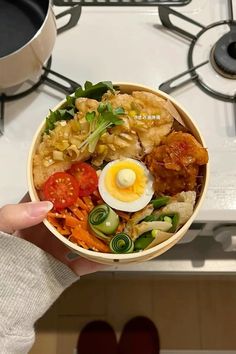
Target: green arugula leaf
58 115
88 85
94 91
70 101
90 90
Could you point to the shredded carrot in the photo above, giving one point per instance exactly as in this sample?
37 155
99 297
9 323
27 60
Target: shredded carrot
77 212
85 214
71 221
123 215
81 204
63 230
88 202
120 227
82 244
90 240
56 215
72 239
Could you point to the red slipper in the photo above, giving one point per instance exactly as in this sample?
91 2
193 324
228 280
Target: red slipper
97 337
139 336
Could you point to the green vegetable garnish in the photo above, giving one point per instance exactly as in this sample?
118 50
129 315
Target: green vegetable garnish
58 115
160 202
154 233
101 107
143 241
175 222
121 243
90 116
151 217
167 219
94 91
103 221
106 118
174 217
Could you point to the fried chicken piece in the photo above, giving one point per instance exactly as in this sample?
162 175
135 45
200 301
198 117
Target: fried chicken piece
158 122
119 100
42 173
150 117
175 163
85 105
119 142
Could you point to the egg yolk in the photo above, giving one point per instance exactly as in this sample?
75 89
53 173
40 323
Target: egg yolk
128 194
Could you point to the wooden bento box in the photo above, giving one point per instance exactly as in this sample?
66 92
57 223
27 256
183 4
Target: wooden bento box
134 257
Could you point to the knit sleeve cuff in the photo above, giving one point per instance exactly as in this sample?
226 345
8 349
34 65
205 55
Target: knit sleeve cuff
31 280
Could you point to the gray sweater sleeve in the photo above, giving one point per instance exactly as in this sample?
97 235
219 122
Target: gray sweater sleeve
30 281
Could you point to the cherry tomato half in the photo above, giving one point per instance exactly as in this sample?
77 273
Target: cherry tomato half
86 176
61 189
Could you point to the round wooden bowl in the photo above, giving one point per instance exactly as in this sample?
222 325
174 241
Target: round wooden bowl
110 258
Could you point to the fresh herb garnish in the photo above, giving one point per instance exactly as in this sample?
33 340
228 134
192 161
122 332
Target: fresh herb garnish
106 118
58 115
94 91
90 91
90 116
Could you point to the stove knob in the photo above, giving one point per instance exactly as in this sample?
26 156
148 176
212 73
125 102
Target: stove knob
226 235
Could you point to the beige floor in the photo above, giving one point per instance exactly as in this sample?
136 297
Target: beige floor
190 313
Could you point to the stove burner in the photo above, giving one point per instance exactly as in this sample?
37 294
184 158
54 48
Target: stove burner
223 55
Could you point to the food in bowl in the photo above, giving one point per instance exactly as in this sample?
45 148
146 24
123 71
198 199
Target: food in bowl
122 170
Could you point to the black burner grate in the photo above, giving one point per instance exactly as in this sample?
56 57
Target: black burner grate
74 13
122 2
170 86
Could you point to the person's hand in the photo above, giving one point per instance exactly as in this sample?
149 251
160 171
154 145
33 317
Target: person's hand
25 220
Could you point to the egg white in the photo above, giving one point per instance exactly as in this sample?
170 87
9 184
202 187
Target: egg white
132 206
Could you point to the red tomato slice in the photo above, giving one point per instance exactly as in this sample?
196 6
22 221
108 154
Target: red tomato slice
61 189
86 176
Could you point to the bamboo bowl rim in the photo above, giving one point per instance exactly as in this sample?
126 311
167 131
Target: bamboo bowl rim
136 257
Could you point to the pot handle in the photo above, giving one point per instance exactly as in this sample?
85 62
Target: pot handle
65 2
119 3
74 13
68 87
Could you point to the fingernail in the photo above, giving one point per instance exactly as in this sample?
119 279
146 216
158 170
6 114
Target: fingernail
36 209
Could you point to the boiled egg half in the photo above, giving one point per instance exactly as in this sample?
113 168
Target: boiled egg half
126 185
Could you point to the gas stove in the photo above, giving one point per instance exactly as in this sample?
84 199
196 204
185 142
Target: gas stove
131 44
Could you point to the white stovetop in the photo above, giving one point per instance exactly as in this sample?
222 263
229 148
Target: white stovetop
128 44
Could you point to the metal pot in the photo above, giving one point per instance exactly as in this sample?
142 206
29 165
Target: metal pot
28 33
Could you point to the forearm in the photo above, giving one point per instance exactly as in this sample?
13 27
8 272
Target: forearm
30 281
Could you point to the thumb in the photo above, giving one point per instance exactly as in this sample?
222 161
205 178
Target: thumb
20 216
